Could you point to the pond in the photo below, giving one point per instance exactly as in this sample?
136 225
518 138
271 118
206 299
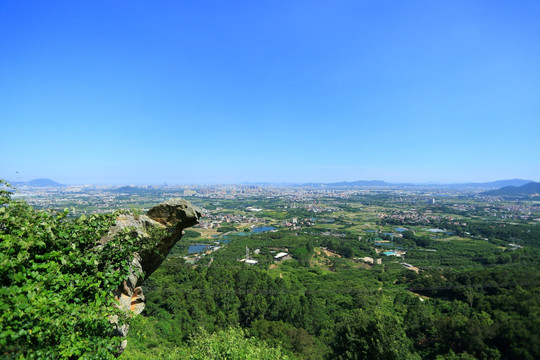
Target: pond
263 229
194 249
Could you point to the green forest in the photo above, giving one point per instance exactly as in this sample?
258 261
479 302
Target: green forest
340 311
472 298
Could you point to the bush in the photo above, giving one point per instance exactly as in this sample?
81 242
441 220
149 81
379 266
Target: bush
56 295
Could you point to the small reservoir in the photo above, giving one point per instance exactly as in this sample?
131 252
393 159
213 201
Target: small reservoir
194 249
262 229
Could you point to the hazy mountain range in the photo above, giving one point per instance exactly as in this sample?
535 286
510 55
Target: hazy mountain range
37 183
524 190
343 184
379 183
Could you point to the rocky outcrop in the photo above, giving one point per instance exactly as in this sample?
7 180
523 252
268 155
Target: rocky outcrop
174 215
165 221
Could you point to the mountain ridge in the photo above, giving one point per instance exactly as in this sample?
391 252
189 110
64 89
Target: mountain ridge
524 190
43 182
496 184
380 183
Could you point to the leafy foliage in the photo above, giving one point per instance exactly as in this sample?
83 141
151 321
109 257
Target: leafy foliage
231 344
373 335
226 228
56 283
472 298
317 306
227 344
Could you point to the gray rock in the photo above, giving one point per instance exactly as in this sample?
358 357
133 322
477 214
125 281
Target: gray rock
175 215
168 219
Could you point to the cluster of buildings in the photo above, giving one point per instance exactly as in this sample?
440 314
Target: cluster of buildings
410 217
84 199
296 223
211 221
280 256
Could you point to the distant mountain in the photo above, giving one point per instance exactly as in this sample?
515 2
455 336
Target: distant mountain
525 190
349 184
359 183
38 183
494 184
379 183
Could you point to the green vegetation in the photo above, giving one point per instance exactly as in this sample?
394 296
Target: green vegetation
226 228
349 312
231 343
56 295
327 303
191 234
460 280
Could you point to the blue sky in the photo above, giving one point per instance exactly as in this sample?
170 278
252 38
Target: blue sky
139 92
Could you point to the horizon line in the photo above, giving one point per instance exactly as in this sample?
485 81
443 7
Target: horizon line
165 183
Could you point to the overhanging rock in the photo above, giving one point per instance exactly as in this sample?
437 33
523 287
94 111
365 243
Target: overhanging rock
167 219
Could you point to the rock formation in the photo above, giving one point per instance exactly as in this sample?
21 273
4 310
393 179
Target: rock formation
167 219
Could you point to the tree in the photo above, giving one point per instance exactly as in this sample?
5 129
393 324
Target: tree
372 335
231 344
57 285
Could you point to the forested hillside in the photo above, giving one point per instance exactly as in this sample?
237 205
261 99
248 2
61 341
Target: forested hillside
56 297
332 307
346 284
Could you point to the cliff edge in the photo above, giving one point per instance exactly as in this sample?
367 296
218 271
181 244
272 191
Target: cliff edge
163 226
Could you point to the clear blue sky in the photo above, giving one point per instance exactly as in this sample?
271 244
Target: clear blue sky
134 92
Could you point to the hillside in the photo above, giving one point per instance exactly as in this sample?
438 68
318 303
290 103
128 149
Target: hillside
359 183
493 184
70 286
380 183
38 183
529 189
311 276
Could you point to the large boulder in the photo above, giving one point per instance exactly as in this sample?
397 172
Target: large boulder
174 215
165 221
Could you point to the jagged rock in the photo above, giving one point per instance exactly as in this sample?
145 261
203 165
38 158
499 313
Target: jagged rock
173 212
171 218
175 215
121 331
